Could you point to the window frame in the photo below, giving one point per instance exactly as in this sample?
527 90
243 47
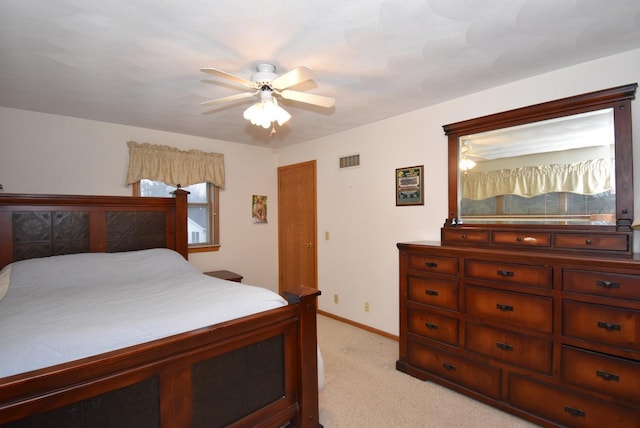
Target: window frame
213 196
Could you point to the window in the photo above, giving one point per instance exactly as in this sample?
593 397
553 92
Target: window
155 170
202 209
549 208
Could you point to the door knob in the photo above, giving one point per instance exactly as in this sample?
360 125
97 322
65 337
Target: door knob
309 245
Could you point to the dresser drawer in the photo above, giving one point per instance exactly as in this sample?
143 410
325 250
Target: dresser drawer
434 264
522 239
610 375
602 284
604 324
527 275
433 326
461 236
433 291
517 349
516 308
597 242
568 408
482 378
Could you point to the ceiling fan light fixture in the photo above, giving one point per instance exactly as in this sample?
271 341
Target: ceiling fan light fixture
265 112
466 164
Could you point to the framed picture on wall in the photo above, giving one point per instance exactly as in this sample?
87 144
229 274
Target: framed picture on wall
259 209
409 185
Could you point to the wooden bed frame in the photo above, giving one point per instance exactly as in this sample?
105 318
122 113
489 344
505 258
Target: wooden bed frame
259 370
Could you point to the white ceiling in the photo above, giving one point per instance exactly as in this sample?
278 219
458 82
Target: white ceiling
137 62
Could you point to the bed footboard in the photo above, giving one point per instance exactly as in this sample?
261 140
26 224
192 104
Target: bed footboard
306 299
259 370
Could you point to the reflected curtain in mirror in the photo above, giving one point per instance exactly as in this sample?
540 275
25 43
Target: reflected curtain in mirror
585 178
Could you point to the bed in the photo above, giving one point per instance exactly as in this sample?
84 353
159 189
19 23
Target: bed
253 365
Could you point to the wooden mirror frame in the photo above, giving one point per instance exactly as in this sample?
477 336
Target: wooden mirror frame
618 98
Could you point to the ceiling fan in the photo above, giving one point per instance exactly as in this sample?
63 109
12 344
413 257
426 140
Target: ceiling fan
266 83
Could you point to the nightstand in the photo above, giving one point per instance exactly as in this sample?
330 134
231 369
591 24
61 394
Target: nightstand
225 274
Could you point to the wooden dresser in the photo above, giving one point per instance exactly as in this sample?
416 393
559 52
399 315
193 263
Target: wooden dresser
553 337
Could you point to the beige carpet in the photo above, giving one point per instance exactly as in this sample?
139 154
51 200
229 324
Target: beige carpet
362 388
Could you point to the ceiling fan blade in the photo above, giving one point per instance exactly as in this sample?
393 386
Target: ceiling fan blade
229 98
303 97
233 78
293 77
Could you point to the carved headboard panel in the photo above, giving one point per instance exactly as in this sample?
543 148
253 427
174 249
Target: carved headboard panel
48 233
34 226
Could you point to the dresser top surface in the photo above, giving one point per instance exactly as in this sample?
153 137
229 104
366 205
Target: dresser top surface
551 256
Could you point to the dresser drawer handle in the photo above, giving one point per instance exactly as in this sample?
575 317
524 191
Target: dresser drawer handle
607 376
504 346
431 292
506 308
527 239
449 367
431 326
505 273
588 241
607 284
609 326
431 264
574 412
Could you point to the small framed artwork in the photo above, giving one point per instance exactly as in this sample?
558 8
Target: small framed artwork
409 186
259 209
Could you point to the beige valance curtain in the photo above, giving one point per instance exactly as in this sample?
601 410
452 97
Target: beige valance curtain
586 178
173 166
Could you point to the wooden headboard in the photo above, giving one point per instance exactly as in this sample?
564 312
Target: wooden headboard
34 225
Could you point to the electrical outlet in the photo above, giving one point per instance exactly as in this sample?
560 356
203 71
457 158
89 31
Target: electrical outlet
366 306
335 298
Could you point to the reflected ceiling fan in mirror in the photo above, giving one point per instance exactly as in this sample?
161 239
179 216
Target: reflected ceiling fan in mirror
268 86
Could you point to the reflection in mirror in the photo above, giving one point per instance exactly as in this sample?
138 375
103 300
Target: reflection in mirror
557 171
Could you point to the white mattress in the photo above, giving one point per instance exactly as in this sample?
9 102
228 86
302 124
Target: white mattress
62 308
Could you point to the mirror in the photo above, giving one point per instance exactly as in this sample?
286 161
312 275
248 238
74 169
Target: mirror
563 163
556 171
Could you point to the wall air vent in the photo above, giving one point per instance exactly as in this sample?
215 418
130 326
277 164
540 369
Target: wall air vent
350 161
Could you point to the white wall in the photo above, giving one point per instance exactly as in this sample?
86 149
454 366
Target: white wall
43 153
357 207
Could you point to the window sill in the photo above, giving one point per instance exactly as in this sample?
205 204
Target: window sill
204 249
